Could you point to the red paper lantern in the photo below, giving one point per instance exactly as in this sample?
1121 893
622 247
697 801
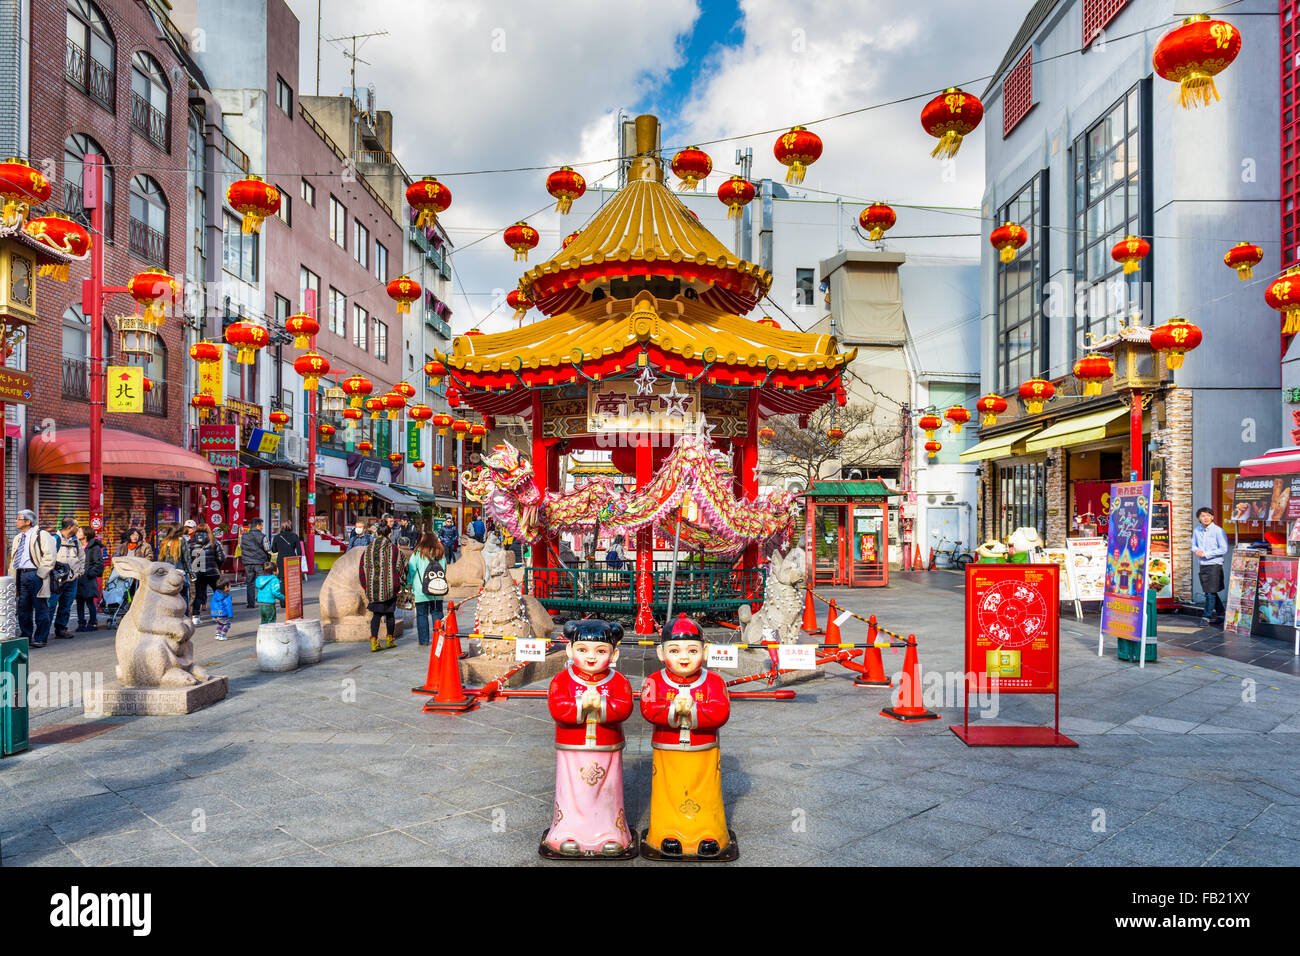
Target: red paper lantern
255 199
278 420
736 193
797 149
326 432
1192 54
205 352
435 370
1007 238
951 115
353 414
691 165
519 301
65 236
476 432
248 337
405 389
521 237
375 406
354 498
1035 393
147 383
395 458
876 219
1175 338
957 417
1242 257
21 187
765 435
1092 370
365 447
403 290
460 427
428 197
929 424
203 401
152 289
418 464
420 414
991 406
1131 251
770 322
338 497
1283 294
568 239
932 448
836 435
394 402
357 387
442 420
565 185
303 327
311 367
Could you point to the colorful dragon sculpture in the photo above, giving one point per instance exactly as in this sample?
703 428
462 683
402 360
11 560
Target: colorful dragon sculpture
724 524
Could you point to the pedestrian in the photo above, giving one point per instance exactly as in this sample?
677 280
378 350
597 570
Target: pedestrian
477 529
88 592
135 546
358 537
381 573
428 606
221 608
616 554
206 558
254 555
450 540
31 562
174 549
1210 544
69 566
410 534
268 592
287 547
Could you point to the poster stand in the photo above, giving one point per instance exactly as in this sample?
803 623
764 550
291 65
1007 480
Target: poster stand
1013 621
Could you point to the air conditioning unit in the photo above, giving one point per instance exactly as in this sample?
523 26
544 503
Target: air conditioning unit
932 499
949 499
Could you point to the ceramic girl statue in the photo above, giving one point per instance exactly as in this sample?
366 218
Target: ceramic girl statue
589 702
687 705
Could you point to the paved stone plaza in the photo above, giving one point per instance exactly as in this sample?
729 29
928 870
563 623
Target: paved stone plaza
336 764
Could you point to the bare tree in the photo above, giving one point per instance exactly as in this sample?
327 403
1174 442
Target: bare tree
795 452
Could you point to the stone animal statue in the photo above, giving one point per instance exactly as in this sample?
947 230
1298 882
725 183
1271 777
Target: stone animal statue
343 612
782 602
491 547
501 609
153 639
468 573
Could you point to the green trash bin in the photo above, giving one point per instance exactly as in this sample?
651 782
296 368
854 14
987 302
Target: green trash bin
13 696
1130 650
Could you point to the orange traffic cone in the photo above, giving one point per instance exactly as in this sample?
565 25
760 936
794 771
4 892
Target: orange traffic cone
832 626
450 628
809 614
873 668
451 697
916 558
909 706
431 677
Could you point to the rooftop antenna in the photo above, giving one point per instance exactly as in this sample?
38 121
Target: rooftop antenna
352 56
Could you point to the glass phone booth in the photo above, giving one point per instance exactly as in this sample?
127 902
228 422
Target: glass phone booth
847 537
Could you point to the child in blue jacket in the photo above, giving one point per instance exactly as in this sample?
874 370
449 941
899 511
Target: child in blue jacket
268 592
221 608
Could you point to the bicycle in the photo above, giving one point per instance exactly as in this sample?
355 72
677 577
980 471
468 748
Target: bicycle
956 558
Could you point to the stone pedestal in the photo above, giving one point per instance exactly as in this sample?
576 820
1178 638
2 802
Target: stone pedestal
357 628
477 671
116 701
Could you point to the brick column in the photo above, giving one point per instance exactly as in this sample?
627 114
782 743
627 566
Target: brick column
1058 501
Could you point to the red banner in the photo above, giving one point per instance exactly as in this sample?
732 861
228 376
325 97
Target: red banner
1091 504
238 492
211 511
1012 627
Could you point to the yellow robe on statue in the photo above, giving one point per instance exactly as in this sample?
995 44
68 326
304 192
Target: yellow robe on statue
686 799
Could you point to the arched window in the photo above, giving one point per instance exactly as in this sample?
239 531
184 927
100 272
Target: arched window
148 221
75 149
150 96
76 353
88 63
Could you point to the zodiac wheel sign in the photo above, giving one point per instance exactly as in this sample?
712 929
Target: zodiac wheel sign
1011 614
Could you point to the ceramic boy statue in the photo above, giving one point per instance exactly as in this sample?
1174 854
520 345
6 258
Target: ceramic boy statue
589 702
687 705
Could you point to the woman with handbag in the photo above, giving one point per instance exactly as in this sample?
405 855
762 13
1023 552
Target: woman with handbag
426 580
382 573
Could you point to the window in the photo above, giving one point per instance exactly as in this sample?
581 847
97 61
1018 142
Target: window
196 252
1109 203
285 212
286 405
239 249
1097 15
308 193
148 221
88 61
381 341
284 96
361 243
76 353
75 149
944 395
360 328
803 287
1022 499
1018 93
381 262
1021 326
338 223
150 98
283 309
308 280
338 313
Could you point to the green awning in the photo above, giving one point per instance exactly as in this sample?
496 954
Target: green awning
872 487
1075 431
420 494
998 446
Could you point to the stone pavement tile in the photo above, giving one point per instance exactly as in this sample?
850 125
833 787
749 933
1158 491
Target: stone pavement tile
1166 725
1161 840
979 813
1071 821
125 846
332 828
1082 726
1011 849
327 776
296 808
410 811
1278 821
513 848
1248 848
87 817
753 814
32 838
175 802
369 794
1055 780
66 786
526 813
865 816
931 831
1157 782
477 795
249 849
442 835
54 856
237 782
276 790
1006 796
884 849
383 849
774 848
178 856
305 858
964 858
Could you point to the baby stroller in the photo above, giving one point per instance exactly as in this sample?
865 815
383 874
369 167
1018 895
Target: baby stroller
116 598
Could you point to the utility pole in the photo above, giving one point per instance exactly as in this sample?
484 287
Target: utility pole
906 524
744 237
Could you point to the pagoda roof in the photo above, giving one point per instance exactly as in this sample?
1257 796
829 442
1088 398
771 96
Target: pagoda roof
645 230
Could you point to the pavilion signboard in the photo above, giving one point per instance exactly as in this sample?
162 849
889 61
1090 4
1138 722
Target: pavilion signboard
637 405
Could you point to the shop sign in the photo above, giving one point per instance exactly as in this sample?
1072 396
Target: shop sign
218 438
263 442
125 389
1261 499
1160 569
15 387
1242 585
1128 542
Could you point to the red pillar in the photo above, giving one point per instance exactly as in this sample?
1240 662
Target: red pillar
309 539
92 303
542 477
1135 435
645 620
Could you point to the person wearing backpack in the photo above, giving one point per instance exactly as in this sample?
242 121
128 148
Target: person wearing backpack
206 558
88 584
69 566
31 562
426 578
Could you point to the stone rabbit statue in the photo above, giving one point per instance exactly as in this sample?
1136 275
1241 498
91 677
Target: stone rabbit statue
153 640
782 602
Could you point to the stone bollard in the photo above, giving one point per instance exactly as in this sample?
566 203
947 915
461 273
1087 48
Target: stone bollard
311 640
277 647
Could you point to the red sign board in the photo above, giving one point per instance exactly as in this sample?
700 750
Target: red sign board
238 487
292 567
218 438
1012 627
15 387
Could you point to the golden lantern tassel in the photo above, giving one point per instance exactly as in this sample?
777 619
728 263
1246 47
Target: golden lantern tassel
1007 253
1092 388
947 146
245 356
1243 272
403 307
734 210
1174 360
252 223
795 173
310 383
1292 325
876 233
989 419
956 428
689 183
563 205
521 254
519 315
1131 266
1196 89
426 219
301 341
56 270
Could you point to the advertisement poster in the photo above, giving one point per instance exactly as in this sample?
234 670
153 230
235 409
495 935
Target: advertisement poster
1160 569
1225 486
210 510
238 484
1091 505
1123 612
1088 563
1259 499
1012 627
1275 596
292 581
1242 583
1061 558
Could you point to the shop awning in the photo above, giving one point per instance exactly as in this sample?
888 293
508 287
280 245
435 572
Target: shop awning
419 494
396 497
1075 431
126 455
348 484
998 446
1276 461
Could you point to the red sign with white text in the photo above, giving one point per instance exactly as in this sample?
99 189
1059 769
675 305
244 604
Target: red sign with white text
238 488
1012 627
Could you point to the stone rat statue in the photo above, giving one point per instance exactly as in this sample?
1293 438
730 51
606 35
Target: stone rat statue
153 639
782 602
